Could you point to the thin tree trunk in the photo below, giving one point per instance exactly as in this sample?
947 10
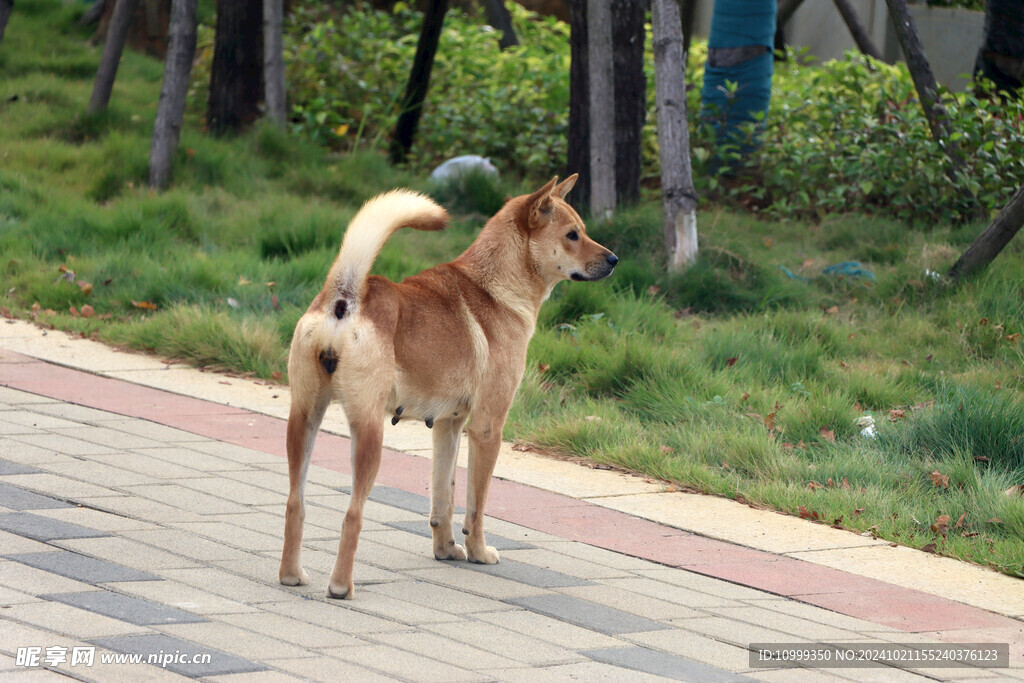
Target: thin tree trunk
579 97
273 60
499 17
112 49
171 109
628 17
678 194
90 16
924 79
602 108
688 9
6 7
991 241
857 30
419 80
787 8
236 75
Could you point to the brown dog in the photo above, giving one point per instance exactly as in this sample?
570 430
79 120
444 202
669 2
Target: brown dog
442 346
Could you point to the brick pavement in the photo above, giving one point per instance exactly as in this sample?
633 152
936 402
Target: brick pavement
137 521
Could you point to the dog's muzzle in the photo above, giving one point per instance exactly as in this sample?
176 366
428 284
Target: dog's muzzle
598 270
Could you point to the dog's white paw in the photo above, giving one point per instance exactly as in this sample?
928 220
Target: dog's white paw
293 578
339 591
453 551
488 556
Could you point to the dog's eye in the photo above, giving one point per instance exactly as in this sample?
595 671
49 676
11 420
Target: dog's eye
573 235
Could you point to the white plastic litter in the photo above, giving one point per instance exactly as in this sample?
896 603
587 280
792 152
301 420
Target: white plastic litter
459 165
867 426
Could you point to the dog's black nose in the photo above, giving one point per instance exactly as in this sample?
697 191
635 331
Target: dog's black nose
612 260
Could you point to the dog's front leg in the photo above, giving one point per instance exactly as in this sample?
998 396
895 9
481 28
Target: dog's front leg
367 441
484 443
442 489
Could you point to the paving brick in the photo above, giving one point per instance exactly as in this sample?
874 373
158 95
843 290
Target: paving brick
222 487
143 509
107 437
61 487
186 545
238 641
187 499
270 675
443 649
437 597
220 662
75 413
234 535
328 668
196 600
149 465
96 519
14 429
695 646
550 630
125 608
186 455
738 632
63 444
22 453
514 645
662 664
227 585
422 528
70 620
701 584
291 630
262 569
583 671
26 579
527 573
455 575
787 623
10 467
344 615
230 451
127 552
596 555
102 474
30 418
570 566
403 664
17 498
42 528
144 428
675 594
586 614
81 567
633 603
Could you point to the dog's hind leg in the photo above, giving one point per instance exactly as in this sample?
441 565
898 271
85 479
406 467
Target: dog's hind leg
484 443
442 488
307 412
367 441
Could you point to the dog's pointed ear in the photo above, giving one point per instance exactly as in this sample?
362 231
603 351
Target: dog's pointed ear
539 203
563 187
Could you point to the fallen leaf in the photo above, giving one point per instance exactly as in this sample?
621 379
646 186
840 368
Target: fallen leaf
653 290
858 511
960 522
769 421
981 458
73 311
827 434
843 364
87 311
729 362
277 376
939 479
829 483
983 321
147 305
831 310
940 525
671 488
768 242
993 520
520 447
593 418
243 281
85 287
930 548
929 357
1013 338
273 302
667 450
813 485
341 130
1015 490
808 514
897 414
845 484
543 367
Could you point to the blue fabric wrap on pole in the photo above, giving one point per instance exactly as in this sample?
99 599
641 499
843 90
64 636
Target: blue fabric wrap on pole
736 24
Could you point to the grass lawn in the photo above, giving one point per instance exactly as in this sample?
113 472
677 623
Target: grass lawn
734 379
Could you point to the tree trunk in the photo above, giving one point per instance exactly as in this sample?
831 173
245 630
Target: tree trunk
1001 55
273 60
628 17
602 108
678 194
419 80
499 18
787 8
236 75
688 9
857 30
6 7
180 51
112 49
579 97
924 79
989 243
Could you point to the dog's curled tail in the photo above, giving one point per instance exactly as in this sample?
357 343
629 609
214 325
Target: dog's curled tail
376 221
